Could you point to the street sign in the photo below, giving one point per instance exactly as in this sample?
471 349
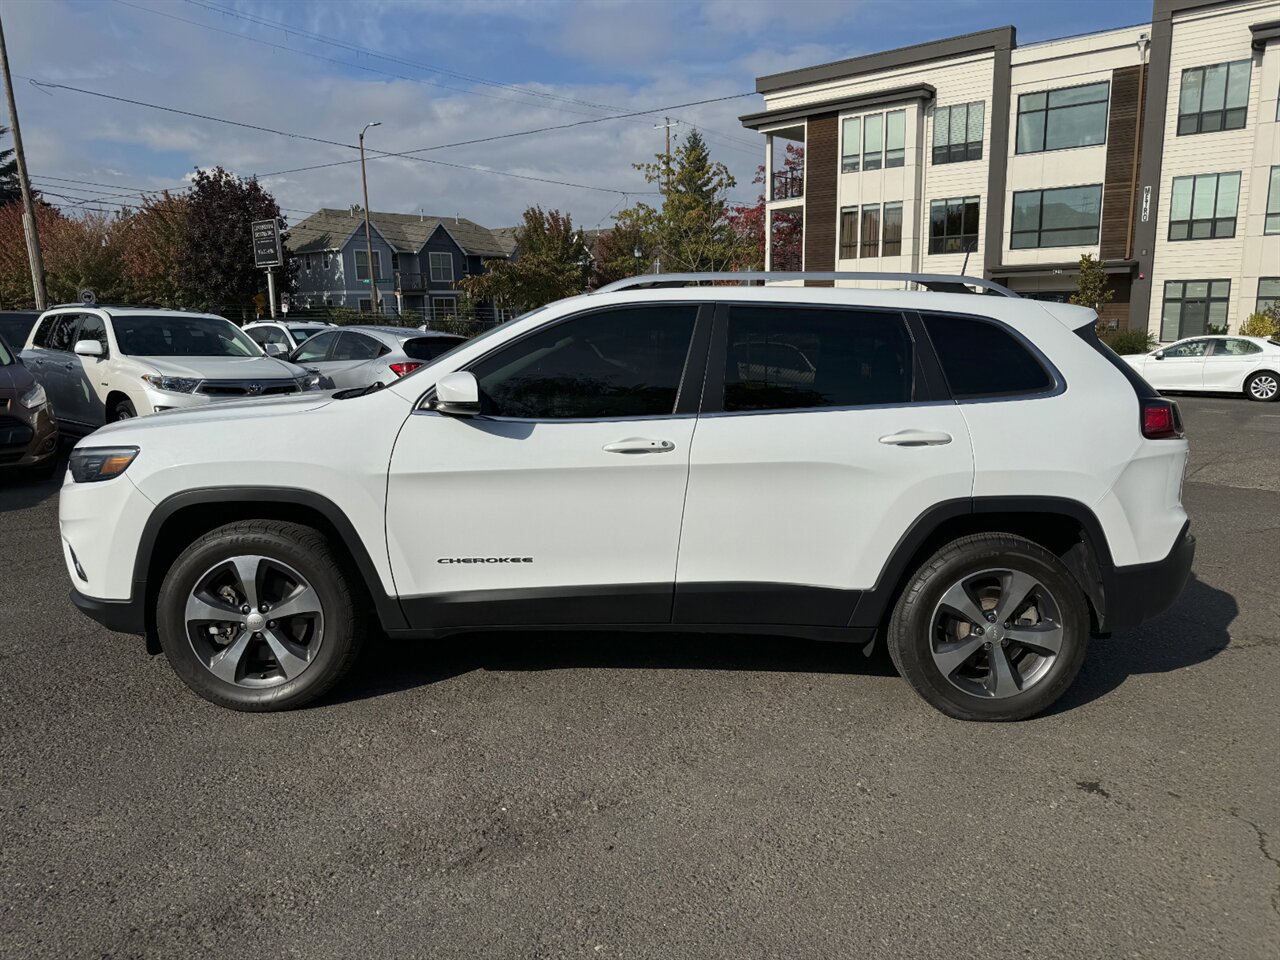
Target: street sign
87 296
266 243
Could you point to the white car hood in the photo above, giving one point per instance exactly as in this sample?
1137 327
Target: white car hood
238 411
223 368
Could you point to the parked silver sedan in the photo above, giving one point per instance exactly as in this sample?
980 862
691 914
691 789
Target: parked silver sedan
358 356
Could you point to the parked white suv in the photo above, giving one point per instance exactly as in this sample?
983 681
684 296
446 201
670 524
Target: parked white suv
100 364
974 479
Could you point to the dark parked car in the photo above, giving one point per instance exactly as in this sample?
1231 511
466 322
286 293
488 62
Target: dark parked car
28 428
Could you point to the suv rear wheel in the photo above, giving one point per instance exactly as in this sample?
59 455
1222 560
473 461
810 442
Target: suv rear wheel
991 627
259 615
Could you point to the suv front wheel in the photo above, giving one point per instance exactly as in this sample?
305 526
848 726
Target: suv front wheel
991 627
259 615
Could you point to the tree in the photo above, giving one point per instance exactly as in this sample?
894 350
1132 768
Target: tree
153 240
1092 288
552 262
749 221
616 253
215 264
79 253
9 188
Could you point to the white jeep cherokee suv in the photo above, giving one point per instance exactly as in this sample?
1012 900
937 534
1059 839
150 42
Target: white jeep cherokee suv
102 363
974 479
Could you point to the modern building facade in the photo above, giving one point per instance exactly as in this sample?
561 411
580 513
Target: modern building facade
417 260
1153 148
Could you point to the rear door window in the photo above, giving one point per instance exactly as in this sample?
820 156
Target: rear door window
983 359
804 358
357 346
315 349
56 332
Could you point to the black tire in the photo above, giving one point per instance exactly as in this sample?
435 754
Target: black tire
122 410
913 634
292 545
1262 387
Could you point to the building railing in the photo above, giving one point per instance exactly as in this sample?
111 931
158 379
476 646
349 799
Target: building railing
787 185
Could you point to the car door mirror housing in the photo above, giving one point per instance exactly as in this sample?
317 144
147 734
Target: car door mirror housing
88 348
1159 354
457 394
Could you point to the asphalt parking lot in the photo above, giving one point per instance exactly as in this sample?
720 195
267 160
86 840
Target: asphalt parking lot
621 796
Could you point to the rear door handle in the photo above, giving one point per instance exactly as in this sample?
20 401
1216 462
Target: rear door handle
639 445
916 438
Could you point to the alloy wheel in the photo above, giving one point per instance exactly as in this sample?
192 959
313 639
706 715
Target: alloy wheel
1264 386
996 633
254 621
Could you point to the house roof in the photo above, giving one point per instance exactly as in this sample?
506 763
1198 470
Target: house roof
329 229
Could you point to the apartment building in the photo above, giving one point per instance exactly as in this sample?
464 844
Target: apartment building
1155 148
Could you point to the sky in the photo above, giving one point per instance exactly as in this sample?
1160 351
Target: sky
435 73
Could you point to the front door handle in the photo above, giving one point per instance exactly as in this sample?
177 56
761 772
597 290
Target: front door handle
916 438
639 445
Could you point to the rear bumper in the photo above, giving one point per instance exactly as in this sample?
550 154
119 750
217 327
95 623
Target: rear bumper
122 616
1142 591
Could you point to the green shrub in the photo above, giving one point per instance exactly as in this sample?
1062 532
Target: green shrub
1129 341
1260 325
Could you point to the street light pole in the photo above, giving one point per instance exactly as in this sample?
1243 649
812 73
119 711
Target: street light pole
28 207
368 232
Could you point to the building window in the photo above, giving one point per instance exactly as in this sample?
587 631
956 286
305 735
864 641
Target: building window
1061 119
848 233
362 264
1204 206
309 261
444 306
851 148
1193 308
1272 222
1067 217
326 259
957 132
870 245
873 142
366 306
892 246
953 225
1214 98
1268 294
895 138
441 267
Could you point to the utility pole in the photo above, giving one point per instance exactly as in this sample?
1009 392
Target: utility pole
368 232
34 255
667 125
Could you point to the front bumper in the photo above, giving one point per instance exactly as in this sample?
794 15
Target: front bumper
122 616
1136 593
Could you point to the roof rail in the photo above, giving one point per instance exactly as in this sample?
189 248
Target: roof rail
937 282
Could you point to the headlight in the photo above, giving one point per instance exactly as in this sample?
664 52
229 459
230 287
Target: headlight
307 382
172 384
89 464
34 398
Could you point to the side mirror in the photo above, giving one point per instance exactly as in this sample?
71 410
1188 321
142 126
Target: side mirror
457 394
275 349
1159 354
88 348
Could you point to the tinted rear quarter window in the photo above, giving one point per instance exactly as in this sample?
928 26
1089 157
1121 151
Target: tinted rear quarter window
982 359
428 348
788 358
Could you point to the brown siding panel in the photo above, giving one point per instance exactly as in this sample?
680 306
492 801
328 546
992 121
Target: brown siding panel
822 169
1122 145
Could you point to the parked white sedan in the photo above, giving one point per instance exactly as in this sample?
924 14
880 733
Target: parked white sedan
1218 364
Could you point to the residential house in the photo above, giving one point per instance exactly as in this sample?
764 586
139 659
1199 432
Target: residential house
1155 148
417 260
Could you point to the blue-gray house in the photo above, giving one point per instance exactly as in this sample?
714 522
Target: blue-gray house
417 260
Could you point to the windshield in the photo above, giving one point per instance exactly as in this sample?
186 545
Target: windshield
304 333
143 336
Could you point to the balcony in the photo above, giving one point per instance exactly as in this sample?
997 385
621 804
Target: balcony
786 157
787 185
411 282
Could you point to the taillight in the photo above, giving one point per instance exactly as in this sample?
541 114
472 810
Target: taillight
1161 420
407 366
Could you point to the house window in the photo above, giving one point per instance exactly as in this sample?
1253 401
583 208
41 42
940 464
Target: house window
852 135
1268 294
1067 217
441 267
366 305
444 306
895 138
957 132
892 230
848 233
1214 98
873 142
395 263
1204 206
1064 118
1193 308
362 264
1272 222
310 261
326 259
953 225
870 241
